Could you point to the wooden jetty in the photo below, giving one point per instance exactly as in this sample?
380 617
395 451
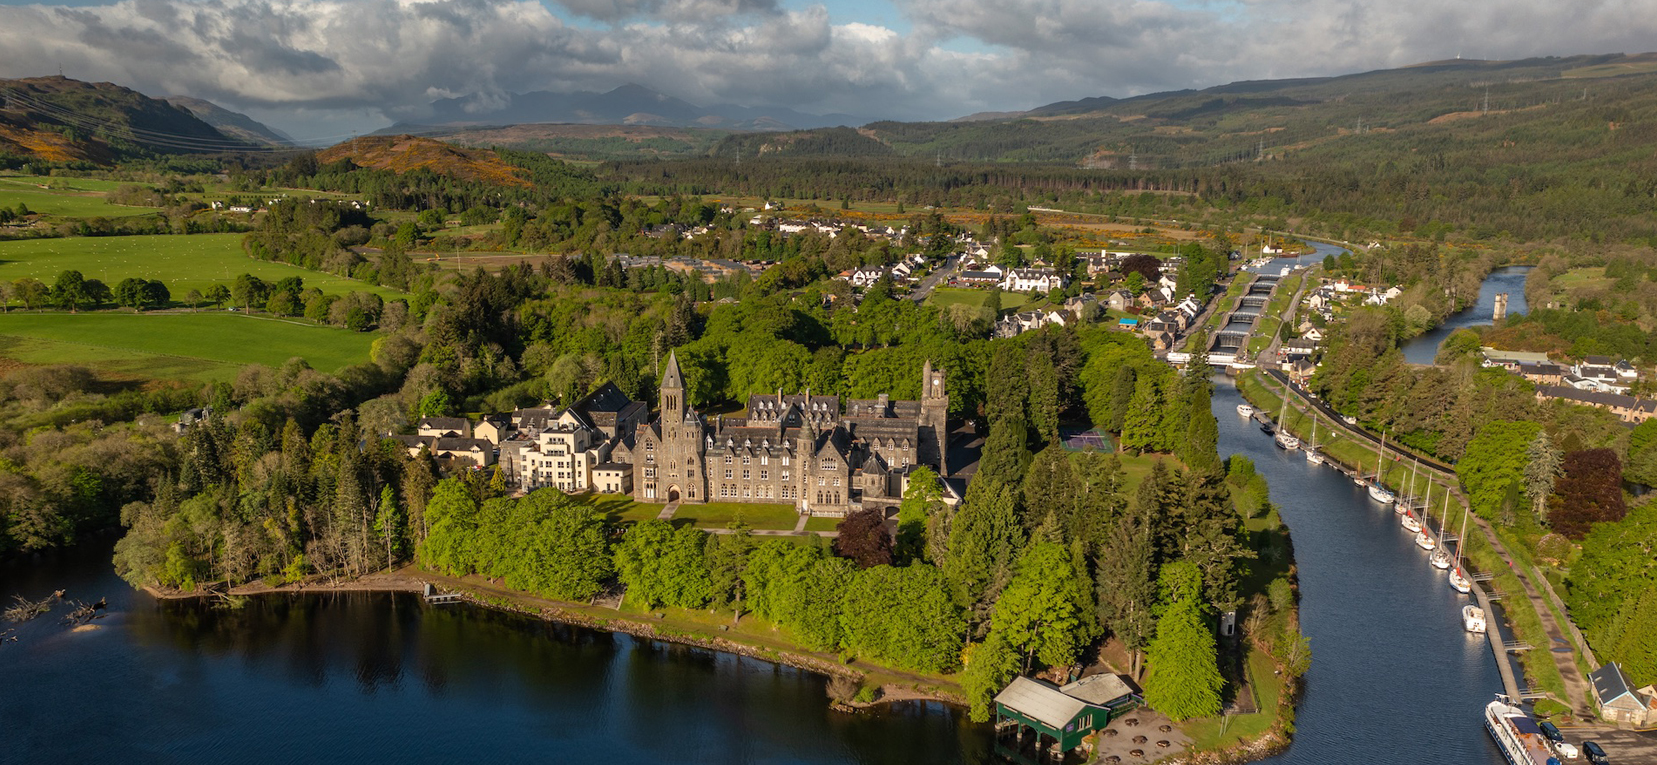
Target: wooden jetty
435 598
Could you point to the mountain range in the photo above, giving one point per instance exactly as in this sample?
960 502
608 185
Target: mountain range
626 105
233 124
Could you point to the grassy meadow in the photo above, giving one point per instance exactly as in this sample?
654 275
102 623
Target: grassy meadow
182 262
195 346
76 198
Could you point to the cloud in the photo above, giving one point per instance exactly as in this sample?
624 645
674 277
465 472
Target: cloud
393 57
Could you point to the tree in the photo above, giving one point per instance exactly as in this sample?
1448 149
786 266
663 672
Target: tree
70 291
1005 456
728 556
1184 679
990 666
922 499
1051 489
1588 492
194 298
1043 398
663 565
388 523
1141 427
864 539
984 539
451 516
1542 464
1200 448
1494 464
1046 612
217 294
903 617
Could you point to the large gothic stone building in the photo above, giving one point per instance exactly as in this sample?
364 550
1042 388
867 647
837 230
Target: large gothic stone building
798 448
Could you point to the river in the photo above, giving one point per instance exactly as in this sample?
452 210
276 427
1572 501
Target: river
1509 279
1394 677
376 678
371 678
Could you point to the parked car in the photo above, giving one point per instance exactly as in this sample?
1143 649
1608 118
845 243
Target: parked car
1595 754
1551 732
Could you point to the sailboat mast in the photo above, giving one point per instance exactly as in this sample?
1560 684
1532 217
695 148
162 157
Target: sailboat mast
1461 540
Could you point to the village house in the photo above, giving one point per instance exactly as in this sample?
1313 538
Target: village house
1543 373
1032 280
973 275
864 276
1118 300
444 427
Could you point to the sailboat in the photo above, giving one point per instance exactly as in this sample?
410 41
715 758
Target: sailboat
1378 491
1441 556
1409 521
1458 580
1283 439
1408 501
1423 539
1312 454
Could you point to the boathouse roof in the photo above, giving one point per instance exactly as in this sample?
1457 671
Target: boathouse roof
1040 701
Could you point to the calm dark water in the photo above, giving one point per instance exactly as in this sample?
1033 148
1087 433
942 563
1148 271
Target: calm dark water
1509 279
1394 678
365 678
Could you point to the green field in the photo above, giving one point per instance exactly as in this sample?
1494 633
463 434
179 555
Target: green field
976 298
199 346
182 262
80 200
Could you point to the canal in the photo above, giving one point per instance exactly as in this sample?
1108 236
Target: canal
1508 279
1394 678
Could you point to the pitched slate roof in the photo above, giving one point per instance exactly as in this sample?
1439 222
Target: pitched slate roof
1610 684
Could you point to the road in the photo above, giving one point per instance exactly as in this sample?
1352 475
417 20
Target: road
932 280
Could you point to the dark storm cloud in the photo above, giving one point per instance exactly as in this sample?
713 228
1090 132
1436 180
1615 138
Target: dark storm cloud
394 57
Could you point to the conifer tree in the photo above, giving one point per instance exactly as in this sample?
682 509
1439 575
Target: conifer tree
1184 678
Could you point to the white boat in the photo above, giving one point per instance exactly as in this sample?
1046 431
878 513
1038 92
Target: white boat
1409 521
1245 410
1377 490
1521 742
1472 617
1459 581
1425 541
1440 559
1312 455
1286 441
1359 480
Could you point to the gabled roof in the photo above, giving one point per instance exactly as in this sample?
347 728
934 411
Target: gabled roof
1610 684
1099 689
1040 701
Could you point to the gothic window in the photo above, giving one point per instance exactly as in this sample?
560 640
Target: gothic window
727 459
727 473
764 475
828 464
746 459
821 481
819 498
785 460
764 459
744 475
837 480
747 491
690 472
785 475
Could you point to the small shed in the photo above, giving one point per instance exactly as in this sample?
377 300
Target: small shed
1068 714
1618 702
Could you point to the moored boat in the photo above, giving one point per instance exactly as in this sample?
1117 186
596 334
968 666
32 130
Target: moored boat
1440 559
1521 742
1286 441
1245 410
1472 617
1380 494
1409 521
1424 540
1314 457
1459 581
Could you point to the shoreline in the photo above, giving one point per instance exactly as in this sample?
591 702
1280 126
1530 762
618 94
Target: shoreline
411 579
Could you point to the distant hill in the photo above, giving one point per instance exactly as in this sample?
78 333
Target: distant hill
233 124
626 105
403 153
590 142
61 119
1251 120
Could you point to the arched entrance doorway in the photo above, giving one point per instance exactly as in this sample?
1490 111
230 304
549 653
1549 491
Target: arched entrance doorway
673 494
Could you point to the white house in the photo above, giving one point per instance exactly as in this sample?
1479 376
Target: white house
863 276
1032 280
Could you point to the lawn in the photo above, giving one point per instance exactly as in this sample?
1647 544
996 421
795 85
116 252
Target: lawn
205 346
78 201
978 298
717 515
822 523
182 262
1212 733
620 508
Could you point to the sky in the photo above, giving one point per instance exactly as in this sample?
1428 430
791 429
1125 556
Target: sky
328 69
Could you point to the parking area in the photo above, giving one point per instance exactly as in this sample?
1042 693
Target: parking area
1622 747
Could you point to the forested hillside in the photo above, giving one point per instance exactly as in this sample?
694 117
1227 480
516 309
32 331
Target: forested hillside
63 120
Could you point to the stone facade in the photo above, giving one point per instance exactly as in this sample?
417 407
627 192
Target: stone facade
796 448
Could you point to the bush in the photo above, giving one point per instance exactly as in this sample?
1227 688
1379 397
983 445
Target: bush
866 694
